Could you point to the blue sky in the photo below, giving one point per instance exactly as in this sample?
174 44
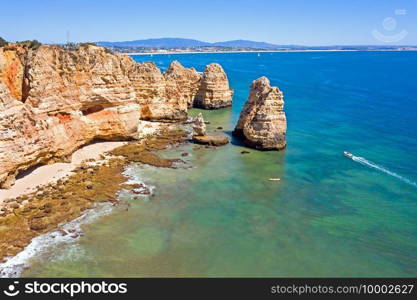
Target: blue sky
303 22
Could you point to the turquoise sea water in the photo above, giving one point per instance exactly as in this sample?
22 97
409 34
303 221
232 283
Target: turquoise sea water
328 216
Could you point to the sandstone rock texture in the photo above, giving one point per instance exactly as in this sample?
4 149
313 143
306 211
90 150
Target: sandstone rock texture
211 140
200 135
53 101
186 80
214 91
262 123
199 126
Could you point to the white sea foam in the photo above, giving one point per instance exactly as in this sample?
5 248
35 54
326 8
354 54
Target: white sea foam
368 163
133 178
41 246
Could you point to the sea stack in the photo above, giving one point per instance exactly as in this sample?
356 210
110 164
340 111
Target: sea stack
262 123
214 91
199 126
185 80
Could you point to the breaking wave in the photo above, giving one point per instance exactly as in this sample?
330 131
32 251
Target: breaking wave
41 245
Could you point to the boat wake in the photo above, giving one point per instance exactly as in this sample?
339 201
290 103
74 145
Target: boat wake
373 165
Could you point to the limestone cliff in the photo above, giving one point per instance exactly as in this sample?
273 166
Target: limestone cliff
53 101
214 91
262 123
186 80
92 79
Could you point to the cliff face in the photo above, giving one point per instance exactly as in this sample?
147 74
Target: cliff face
186 80
262 123
214 91
52 101
12 71
18 130
92 78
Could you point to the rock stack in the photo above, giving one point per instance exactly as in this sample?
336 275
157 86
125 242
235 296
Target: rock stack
199 127
214 91
262 123
200 136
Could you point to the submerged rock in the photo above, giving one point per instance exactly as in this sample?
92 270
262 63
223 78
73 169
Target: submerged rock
142 152
212 140
262 123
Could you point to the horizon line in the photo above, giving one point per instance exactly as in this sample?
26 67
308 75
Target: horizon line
284 44
210 43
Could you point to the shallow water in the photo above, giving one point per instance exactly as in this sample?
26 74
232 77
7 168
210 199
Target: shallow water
219 215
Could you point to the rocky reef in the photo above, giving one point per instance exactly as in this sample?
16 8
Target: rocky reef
262 123
54 204
53 100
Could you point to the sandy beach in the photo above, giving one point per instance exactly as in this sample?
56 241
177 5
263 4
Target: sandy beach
53 172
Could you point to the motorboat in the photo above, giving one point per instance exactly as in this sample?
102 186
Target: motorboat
348 154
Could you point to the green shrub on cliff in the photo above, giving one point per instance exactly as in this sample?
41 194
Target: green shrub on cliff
87 44
77 46
33 44
3 42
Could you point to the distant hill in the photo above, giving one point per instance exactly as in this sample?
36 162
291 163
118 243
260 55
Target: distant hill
156 43
187 43
172 43
246 44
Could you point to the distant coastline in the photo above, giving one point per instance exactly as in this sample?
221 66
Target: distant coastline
266 51
191 46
